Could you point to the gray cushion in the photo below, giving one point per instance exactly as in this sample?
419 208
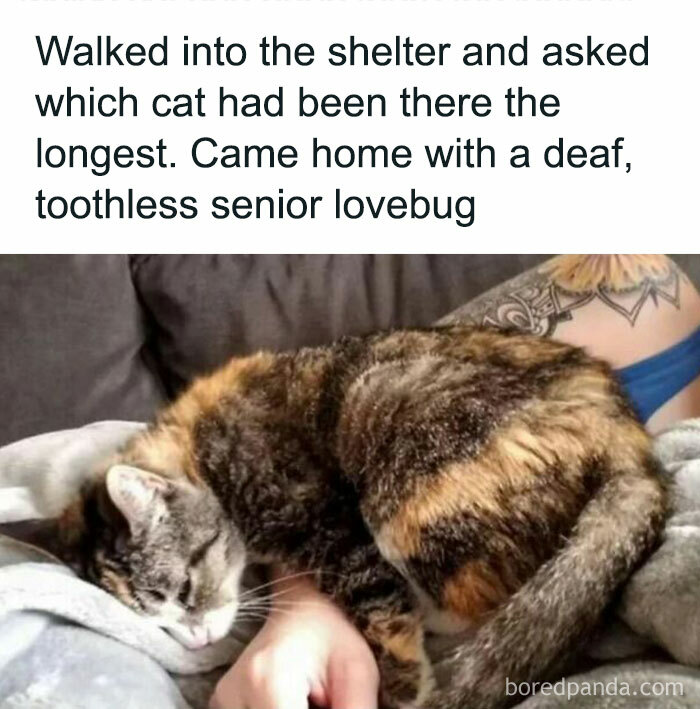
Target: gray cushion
209 308
74 347
71 338
690 263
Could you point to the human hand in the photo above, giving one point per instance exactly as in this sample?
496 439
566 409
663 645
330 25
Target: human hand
307 649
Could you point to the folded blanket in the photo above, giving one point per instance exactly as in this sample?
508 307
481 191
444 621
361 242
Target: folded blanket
662 600
67 644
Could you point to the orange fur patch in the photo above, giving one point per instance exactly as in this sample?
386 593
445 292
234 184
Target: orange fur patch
117 586
168 448
568 425
402 636
474 590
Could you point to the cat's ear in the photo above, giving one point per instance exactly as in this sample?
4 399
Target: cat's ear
137 494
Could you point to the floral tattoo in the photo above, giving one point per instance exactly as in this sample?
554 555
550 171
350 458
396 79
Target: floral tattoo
542 298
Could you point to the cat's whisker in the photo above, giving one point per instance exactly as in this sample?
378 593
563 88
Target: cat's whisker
288 577
248 619
260 615
271 595
264 600
281 611
251 614
279 602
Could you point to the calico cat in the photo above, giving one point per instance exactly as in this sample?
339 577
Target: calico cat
432 480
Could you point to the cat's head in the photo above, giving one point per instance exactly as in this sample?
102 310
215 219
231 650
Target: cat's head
163 547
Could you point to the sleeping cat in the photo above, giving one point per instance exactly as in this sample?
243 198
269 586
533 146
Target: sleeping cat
432 480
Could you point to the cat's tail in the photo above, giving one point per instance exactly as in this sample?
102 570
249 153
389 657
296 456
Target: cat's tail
531 635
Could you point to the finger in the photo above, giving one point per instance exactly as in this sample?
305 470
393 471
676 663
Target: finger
214 703
319 696
353 685
226 694
217 702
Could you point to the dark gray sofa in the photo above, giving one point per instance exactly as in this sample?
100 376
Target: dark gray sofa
84 338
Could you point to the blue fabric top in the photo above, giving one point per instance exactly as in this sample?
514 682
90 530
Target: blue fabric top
653 381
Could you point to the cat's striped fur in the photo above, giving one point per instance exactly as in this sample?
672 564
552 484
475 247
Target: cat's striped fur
449 478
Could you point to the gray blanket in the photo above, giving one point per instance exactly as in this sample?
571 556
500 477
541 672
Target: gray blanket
66 644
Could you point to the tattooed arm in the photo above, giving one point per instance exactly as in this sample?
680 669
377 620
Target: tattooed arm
622 308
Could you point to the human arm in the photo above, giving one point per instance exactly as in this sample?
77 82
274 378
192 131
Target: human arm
307 649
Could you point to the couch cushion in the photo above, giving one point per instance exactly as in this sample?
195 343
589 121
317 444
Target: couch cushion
690 263
206 309
71 337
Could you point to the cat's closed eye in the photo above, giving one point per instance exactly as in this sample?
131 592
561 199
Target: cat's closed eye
156 595
184 594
